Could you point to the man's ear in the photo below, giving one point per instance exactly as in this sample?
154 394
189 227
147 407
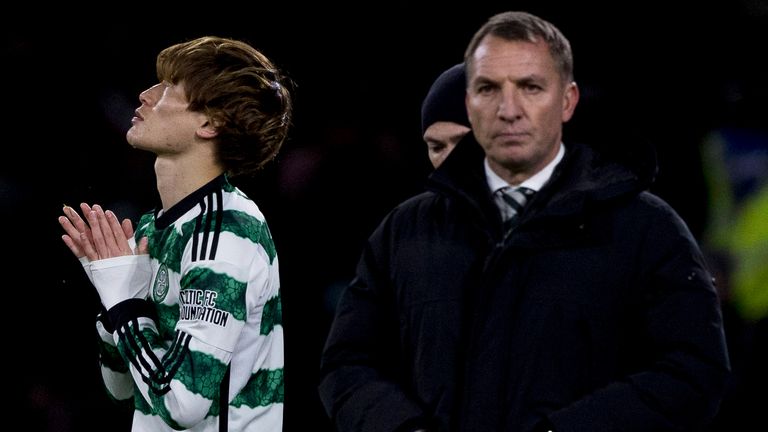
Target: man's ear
207 130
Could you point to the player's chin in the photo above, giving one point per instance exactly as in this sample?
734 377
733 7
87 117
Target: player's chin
134 138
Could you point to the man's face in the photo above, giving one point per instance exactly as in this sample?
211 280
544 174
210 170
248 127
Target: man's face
441 137
517 102
163 124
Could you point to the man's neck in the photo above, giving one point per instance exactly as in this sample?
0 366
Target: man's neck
177 178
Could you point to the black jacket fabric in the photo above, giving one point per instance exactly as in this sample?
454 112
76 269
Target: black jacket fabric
596 313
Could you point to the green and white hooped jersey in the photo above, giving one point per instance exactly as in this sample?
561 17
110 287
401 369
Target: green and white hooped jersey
212 324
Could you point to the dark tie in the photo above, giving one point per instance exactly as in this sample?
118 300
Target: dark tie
511 202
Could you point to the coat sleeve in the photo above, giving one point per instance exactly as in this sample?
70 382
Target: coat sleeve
360 386
682 385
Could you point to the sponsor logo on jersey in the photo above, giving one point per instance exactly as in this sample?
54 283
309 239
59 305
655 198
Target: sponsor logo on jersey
199 304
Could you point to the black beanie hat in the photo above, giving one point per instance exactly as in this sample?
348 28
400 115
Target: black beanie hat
445 100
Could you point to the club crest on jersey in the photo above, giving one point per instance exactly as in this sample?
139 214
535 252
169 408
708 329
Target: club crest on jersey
160 288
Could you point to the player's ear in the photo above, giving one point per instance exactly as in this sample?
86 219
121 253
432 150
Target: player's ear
207 130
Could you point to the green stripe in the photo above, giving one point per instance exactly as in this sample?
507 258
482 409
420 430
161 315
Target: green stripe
159 409
167 317
144 226
263 389
272 315
246 226
201 374
110 357
167 246
141 405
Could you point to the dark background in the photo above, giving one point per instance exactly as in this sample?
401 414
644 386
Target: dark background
650 74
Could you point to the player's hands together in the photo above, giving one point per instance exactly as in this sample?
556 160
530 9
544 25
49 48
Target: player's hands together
100 235
104 246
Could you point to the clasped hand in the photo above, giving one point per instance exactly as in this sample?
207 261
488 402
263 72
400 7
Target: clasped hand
103 236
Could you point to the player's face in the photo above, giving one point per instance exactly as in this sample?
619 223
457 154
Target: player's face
163 123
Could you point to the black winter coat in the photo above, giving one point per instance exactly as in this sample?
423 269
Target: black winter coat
596 313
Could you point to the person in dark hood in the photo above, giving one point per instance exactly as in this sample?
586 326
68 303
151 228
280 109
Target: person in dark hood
535 286
444 119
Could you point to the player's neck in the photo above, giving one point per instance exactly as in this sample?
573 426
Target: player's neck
179 177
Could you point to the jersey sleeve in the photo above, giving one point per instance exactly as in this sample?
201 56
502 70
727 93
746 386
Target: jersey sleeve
181 380
114 369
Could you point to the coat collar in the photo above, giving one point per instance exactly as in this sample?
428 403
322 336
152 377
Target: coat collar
584 176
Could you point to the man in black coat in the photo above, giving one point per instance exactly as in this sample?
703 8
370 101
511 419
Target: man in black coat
578 302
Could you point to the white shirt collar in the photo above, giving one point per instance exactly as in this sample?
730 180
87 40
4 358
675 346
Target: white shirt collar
534 182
